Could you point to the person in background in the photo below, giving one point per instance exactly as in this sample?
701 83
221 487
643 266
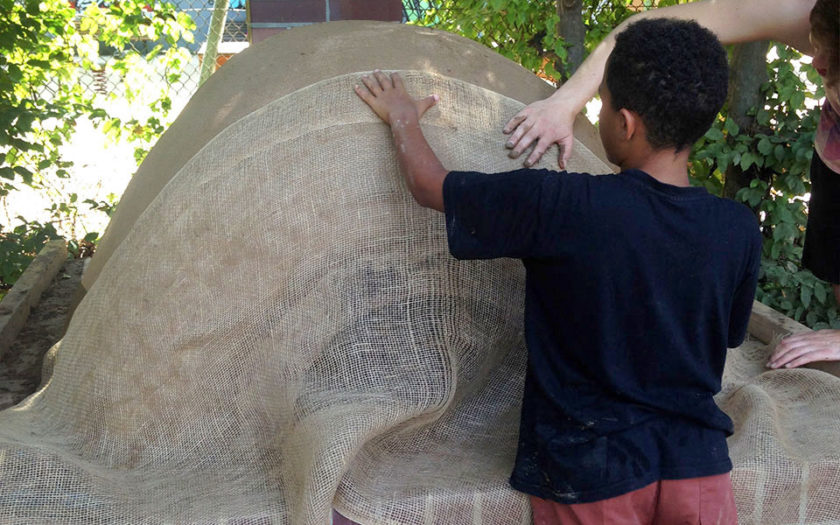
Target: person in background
812 27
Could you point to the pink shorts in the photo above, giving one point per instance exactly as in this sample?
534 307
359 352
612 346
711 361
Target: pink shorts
703 501
694 501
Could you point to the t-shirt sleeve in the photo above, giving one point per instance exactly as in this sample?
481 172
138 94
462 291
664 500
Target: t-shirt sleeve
490 215
745 293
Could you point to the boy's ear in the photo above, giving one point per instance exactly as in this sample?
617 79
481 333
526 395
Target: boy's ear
629 123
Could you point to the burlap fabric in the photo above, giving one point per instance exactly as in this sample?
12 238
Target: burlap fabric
282 331
786 446
295 59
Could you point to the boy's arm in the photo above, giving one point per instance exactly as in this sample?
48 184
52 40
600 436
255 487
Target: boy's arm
515 196
423 171
745 294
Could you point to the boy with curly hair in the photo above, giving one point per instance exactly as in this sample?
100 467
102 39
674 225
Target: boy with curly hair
636 284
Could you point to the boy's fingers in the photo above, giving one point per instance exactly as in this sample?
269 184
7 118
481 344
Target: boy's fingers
384 82
362 93
396 80
426 103
371 84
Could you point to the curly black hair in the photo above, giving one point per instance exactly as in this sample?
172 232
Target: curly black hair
674 74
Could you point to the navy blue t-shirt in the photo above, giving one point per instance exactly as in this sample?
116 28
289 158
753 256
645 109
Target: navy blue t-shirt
634 290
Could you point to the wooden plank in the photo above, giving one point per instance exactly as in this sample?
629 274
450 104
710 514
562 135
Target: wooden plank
26 293
769 326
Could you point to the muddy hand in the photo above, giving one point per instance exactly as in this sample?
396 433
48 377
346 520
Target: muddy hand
542 123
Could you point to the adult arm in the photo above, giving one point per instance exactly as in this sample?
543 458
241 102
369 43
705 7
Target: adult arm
551 120
423 171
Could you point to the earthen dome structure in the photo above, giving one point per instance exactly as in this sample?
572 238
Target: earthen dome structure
273 328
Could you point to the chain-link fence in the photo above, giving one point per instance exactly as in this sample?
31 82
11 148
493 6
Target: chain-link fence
414 10
234 39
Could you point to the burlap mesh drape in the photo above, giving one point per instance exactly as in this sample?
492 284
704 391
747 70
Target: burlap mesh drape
282 331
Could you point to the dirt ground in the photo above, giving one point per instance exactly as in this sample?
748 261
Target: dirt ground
20 366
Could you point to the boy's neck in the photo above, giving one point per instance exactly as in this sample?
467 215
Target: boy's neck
667 166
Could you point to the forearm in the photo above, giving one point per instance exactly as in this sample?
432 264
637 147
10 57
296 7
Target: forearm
738 21
421 168
423 171
582 86
732 21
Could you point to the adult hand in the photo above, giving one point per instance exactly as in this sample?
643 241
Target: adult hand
545 122
806 347
390 101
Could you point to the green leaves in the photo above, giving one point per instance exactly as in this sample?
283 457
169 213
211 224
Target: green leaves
45 49
765 146
774 154
747 160
19 246
805 294
522 30
798 294
24 173
714 134
731 127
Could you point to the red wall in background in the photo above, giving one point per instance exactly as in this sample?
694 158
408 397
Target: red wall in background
267 17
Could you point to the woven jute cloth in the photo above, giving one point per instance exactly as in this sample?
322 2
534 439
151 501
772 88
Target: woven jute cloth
283 332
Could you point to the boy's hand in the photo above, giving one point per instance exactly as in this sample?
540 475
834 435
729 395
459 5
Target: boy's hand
390 101
423 171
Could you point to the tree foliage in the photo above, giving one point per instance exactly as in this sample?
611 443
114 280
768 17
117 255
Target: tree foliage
774 154
522 30
525 31
45 48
